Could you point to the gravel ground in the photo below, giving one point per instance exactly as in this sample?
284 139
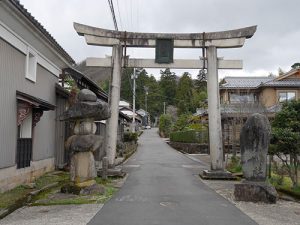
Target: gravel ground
281 213
53 215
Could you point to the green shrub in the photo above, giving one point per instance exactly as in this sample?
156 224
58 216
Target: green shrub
189 136
197 127
181 123
130 136
234 166
165 124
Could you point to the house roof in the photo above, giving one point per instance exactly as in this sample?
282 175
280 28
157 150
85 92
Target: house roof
289 73
266 81
282 83
16 4
228 110
244 82
84 82
36 102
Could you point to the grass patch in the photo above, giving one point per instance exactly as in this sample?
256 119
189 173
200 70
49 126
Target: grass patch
78 199
45 198
284 184
9 198
234 166
18 195
50 178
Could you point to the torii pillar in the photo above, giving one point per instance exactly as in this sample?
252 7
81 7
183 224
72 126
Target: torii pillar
114 98
214 112
211 41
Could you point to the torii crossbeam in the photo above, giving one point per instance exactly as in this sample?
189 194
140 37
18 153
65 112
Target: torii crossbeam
210 41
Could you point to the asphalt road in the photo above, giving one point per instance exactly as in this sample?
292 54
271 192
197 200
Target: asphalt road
163 188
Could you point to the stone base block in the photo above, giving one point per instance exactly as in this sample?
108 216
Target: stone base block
255 192
11 177
86 183
217 175
82 167
114 172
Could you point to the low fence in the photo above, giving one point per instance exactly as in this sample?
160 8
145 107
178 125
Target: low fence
190 141
190 148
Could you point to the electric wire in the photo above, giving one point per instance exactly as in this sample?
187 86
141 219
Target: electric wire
120 19
111 5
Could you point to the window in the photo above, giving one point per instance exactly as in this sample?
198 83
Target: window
285 96
24 141
242 97
31 62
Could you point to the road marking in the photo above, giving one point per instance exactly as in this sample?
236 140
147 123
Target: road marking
132 166
132 198
192 166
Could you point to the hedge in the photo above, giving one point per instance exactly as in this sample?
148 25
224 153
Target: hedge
189 136
165 124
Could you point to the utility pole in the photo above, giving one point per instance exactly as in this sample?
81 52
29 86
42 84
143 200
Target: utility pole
164 108
146 103
133 100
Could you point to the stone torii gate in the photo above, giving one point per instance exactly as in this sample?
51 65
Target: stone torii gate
210 41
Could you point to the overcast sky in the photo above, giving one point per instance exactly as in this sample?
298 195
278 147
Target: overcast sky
275 44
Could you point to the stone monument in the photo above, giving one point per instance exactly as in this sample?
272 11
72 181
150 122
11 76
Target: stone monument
254 142
84 142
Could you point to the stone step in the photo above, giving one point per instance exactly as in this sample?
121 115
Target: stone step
112 172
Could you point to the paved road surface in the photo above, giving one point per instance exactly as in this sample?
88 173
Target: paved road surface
163 188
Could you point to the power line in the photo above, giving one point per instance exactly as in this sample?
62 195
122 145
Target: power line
131 15
119 15
111 5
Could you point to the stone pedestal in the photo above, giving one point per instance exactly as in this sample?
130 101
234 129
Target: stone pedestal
84 142
217 175
255 192
83 168
254 142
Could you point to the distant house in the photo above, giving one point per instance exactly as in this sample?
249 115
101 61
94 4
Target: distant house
30 64
242 96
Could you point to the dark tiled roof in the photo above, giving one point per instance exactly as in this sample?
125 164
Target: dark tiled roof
244 82
40 27
84 82
249 108
282 83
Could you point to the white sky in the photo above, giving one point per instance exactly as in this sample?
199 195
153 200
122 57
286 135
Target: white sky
275 44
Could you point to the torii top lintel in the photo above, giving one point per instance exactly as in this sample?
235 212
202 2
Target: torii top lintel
221 39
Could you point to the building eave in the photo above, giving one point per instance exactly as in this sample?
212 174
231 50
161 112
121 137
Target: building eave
27 19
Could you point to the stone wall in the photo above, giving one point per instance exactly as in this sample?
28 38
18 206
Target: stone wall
11 177
190 148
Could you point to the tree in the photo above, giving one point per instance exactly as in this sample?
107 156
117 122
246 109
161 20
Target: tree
155 98
126 85
285 142
201 81
181 123
184 94
296 65
280 72
168 85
